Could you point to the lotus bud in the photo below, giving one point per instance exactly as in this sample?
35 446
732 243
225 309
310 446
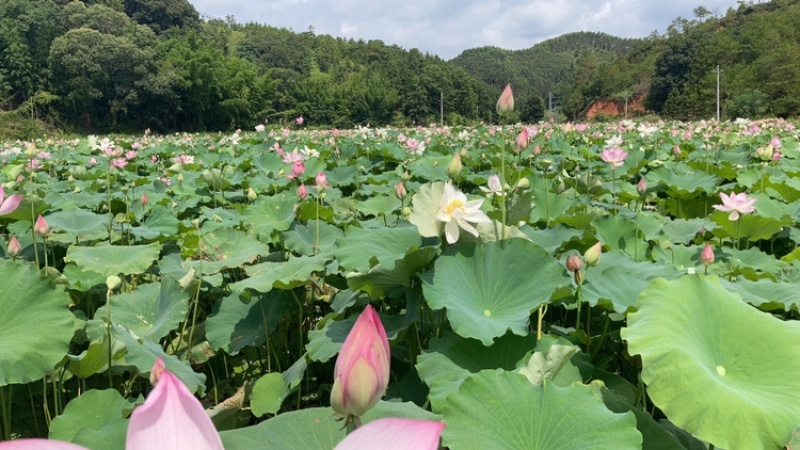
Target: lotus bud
144 200
521 143
251 194
574 263
321 180
405 176
592 256
764 153
523 183
676 151
180 178
335 132
302 192
361 373
14 247
707 255
776 156
775 142
297 169
505 104
641 187
400 190
406 211
537 150
455 167
41 228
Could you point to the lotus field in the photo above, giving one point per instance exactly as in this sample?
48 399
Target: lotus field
606 286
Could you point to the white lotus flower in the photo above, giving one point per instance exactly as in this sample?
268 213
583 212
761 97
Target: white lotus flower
456 212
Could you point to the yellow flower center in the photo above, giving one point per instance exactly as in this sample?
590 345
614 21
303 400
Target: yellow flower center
453 206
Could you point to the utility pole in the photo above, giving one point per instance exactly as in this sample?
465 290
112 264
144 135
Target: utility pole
626 104
441 107
718 92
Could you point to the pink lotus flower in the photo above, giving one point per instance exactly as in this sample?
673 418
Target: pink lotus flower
10 204
394 434
297 170
171 417
614 156
362 367
505 104
119 163
130 154
736 204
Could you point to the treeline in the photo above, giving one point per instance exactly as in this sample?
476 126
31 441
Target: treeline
124 65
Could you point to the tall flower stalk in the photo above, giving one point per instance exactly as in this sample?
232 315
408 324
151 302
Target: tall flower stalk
737 205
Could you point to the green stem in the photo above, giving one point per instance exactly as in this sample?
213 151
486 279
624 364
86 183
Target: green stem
108 336
504 209
578 307
735 248
316 246
5 409
636 236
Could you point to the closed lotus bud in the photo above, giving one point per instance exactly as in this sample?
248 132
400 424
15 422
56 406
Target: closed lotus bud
180 178
521 143
144 200
676 151
297 169
362 367
455 167
592 256
251 194
113 282
764 153
400 190
14 248
405 176
574 263
523 183
505 104
537 150
707 255
41 227
641 186
321 180
302 192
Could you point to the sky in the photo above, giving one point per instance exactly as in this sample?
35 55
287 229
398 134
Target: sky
448 27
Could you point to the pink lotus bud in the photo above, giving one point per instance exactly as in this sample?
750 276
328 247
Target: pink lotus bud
302 192
707 255
10 204
297 169
521 143
41 227
574 263
321 180
776 156
641 186
300 120
537 150
505 104
676 151
775 142
400 190
592 256
335 132
362 368
14 248
143 200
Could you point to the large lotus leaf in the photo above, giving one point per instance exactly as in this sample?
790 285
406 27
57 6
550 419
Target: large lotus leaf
363 248
268 394
750 226
684 230
36 325
378 279
151 311
765 293
491 288
236 324
311 428
302 239
498 409
614 231
93 410
617 280
160 221
378 205
682 181
451 359
717 367
550 239
755 261
268 214
78 225
142 354
114 259
226 249
289 274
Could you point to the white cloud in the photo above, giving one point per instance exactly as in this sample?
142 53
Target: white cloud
447 27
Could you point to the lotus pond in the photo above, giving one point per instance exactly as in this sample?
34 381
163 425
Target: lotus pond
550 286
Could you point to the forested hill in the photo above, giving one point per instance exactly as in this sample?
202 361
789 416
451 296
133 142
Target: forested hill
126 65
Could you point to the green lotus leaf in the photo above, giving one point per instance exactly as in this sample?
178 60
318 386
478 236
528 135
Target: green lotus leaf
236 324
498 409
451 359
682 181
160 221
617 280
36 325
268 214
94 410
114 259
765 293
289 274
302 239
378 279
552 238
491 288
151 311
361 249
717 367
750 226
378 205
227 248
268 394
78 225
